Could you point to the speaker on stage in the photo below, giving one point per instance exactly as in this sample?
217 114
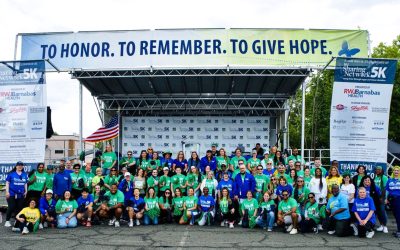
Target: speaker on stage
49 131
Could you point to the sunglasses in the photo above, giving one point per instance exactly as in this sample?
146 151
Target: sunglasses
113 170
167 193
76 168
269 163
259 169
311 197
285 195
300 181
273 179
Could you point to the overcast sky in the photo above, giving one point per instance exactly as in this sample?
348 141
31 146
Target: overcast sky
380 18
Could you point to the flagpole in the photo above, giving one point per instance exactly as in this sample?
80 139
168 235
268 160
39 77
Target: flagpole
119 125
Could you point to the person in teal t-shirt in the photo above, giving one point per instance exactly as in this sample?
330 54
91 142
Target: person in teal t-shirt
312 215
66 209
114 206
234 163
253 162
37 183
151 208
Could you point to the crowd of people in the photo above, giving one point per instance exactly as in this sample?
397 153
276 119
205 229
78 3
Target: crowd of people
269 190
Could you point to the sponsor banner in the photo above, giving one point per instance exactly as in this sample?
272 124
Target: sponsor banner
168 133
185 48
360 111
351 166
23 115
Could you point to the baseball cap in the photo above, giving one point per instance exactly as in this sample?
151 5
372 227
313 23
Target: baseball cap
266 152
165 168
49 191
127 174
50 167
254 152
19 163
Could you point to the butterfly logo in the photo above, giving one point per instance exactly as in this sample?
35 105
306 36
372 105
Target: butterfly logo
346 51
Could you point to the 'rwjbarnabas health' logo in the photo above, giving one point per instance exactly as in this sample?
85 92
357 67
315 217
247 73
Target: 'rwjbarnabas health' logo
358 93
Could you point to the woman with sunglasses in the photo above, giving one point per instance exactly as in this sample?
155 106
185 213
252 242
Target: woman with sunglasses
311 215
180 162
28 219
16 190
111 178
78 181
283 186
165 203
300 194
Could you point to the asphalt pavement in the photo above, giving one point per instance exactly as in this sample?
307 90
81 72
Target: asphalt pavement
186 237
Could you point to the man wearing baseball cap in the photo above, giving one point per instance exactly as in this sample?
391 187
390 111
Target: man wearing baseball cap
47 210
126 186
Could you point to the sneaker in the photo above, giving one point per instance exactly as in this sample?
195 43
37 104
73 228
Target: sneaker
111 222
385 229
130 223
16 229
380 228
231 225
7 224
222 223
289 229
240 223
320 228
370 234
137 223
269 229
331 232
355 229
293 231
88 223
25 230
40 226
116 223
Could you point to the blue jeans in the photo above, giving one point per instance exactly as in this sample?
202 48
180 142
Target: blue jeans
147 220
382 216
105 171
267 223
61 221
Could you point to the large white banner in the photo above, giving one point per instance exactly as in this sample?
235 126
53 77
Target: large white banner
23 115
192 48
360 112
168 133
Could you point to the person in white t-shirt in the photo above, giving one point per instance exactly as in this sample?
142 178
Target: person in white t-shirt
318 187
348 189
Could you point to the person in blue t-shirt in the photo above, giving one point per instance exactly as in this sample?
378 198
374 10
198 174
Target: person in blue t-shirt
135 208
393 196
47 208
126 187
62 182
16 190
338 213
206 204
85 208
227 183
364 210
283 186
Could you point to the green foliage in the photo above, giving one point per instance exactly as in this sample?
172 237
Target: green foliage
392 51
318 110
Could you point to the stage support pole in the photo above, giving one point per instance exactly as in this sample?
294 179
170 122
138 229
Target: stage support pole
80 118
303 117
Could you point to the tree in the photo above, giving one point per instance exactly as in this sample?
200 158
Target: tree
392 51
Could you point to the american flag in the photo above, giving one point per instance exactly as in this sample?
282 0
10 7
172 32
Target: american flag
107 132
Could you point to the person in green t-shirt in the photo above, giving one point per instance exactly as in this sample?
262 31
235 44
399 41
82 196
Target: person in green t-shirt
140 182
297 166
88 177
226 208
234 163
177 204
178 180
288 213
49 177
108 159
307 177
253 162
143 161
151 207
165 203
312 215
111 178
292 177
266 217
300 193
211 183
317 164
193 180
153 180
78 181
112 209
98 180
37 182
129 162
262 182
190 208
249 207
66 210
164 182
222 159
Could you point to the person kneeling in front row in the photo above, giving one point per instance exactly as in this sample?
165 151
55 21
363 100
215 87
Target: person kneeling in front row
113 206
339 215
135 208
364 210
47 207
288 213
66 211
28 219
206 206
85 208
